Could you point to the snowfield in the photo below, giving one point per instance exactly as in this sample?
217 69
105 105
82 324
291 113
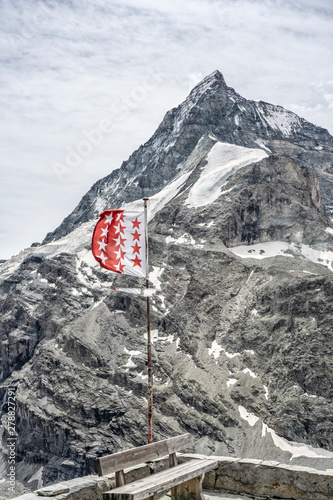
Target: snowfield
275 248
223 161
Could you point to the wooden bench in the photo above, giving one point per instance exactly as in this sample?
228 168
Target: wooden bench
184 480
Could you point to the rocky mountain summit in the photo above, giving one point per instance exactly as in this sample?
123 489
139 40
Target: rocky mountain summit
241 252
211 107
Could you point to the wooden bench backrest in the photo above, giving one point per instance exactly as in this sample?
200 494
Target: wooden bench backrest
135 456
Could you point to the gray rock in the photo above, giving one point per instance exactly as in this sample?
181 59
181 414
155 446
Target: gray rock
240 344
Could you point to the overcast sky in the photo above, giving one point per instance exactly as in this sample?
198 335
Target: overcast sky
67 66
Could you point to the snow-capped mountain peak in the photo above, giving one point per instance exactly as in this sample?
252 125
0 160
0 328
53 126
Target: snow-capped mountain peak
211 107
240 253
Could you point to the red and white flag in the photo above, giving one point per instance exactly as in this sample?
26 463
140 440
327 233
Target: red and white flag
119 242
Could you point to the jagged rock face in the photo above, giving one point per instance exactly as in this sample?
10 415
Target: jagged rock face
210 107
36 303
270 200
239 343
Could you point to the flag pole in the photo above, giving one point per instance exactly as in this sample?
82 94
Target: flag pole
150 370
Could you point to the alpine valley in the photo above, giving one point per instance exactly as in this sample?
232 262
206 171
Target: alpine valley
241 256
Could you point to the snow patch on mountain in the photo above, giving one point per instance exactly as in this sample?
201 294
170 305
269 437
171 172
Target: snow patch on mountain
159 200
231 381
74 243
249 417
296 449
154 276
184 239
216 349
250 372
279 118
283 248
223 160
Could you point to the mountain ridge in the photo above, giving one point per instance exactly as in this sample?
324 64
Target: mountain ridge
241 258
151 166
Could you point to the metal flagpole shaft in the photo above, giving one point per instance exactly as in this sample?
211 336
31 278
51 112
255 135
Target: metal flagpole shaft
150 370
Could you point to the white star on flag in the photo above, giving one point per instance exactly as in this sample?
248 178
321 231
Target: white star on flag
119 240
119 228
118 253
102 245
108 219
103 258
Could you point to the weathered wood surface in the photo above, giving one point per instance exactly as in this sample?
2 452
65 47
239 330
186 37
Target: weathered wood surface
190 490
165 480
135 456
172 462
120 478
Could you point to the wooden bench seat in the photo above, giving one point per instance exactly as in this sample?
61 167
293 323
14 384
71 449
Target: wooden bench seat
183 475
184 480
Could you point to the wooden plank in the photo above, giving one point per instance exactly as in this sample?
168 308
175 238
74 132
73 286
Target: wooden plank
162 481
190 490
120 478
172 462
141 454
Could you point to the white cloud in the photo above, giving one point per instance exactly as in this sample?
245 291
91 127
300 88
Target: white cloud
66 65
